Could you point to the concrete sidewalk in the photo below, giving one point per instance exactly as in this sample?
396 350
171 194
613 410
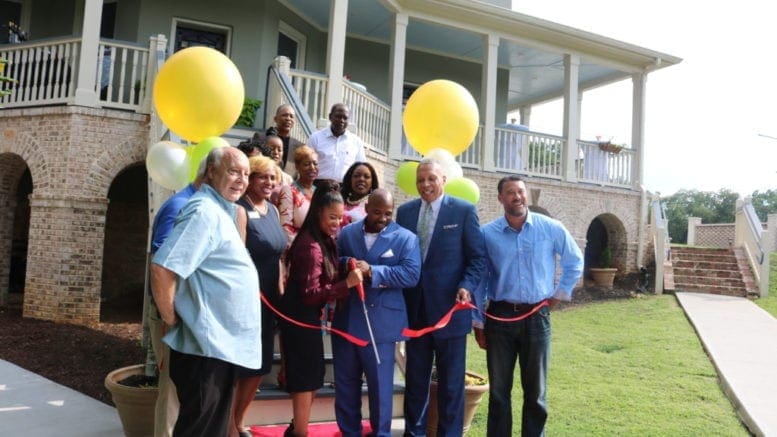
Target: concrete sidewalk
741 339
31 405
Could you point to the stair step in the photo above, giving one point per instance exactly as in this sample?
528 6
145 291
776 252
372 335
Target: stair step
704 250
701 257
706 265
710 273
273 406
712 289
707 280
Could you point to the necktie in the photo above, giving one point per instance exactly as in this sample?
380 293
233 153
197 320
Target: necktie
423 228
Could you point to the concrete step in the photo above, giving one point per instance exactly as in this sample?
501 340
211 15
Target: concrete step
273 406
702 257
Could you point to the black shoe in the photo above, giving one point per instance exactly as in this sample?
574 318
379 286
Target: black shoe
245 433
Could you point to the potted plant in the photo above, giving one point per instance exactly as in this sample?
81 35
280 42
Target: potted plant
134 393
475 386
609 147
604 275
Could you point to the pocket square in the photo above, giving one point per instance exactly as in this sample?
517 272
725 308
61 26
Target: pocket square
453 226
387 254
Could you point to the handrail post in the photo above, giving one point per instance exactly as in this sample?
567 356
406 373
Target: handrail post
766 239
274 94
85 94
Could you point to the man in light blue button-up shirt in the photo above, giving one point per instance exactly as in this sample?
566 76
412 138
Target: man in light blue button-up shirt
521 250
207 291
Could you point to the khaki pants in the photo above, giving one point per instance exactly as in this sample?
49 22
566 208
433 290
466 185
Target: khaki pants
167 403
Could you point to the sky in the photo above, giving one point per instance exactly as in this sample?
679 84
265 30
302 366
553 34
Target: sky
708 118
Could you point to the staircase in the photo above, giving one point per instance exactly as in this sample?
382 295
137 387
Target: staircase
272 405
714 271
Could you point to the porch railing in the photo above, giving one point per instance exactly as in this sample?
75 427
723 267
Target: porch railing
470 158
371 116
311 89
661 242
47 71
605 168
122 75
754 240
526 152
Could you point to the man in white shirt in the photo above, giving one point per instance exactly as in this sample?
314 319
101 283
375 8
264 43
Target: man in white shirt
337 148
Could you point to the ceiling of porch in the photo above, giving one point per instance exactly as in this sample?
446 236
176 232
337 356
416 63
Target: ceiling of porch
535 75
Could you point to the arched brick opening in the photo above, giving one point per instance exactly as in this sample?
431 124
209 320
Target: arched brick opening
15 189
124 248
606 230
540 210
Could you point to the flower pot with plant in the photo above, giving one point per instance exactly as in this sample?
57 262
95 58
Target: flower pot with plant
475 386
604 275
134 394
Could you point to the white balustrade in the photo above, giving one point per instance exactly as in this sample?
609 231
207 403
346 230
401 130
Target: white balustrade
603 167
122 74
311 89
527 152
46 72
754 241
371 116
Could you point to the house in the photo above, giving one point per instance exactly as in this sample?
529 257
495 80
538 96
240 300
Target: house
75 130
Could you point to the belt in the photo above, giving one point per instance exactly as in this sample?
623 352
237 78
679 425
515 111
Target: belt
505 306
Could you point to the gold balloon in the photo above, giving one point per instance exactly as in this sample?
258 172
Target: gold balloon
199 93
441 114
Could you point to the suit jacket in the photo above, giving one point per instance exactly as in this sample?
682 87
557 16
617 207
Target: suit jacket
395 259
456 258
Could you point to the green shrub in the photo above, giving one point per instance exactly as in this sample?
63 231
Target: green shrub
248 114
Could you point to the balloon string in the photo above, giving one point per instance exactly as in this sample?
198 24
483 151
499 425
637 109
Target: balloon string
446 318
355 340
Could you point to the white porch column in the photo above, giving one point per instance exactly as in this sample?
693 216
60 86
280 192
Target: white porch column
525 113
488 99
639 81
397 82
335 51
571 116
87 62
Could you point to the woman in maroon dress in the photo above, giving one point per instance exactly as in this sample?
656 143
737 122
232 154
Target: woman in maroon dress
313 280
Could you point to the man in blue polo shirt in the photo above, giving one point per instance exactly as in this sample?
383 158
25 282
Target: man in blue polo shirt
206 289
521 248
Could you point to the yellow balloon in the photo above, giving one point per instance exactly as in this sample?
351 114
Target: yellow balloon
199 93
441 114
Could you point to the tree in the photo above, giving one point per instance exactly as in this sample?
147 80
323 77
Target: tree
764 203
711 207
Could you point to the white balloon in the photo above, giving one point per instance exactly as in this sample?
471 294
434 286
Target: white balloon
450 167
168 165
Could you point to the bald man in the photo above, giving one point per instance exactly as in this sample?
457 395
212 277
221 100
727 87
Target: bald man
390 260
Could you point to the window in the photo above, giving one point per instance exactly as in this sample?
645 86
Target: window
10 11
291 43
188 33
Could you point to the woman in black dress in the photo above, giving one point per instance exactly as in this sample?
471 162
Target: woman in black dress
314 279
265 240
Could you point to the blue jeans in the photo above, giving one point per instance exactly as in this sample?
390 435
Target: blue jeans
527 340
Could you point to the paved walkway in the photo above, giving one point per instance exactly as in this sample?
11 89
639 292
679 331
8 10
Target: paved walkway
741 339
31 405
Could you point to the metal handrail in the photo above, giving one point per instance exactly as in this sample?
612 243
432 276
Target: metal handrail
289 96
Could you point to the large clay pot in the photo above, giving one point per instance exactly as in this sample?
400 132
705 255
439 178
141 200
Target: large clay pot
473 394
135 405
603 277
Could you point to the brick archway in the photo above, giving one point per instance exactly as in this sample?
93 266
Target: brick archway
14 220
606 230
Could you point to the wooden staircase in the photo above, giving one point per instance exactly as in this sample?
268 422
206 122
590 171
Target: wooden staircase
715 271
271 405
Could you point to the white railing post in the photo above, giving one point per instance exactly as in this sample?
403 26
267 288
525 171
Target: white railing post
87 64
766 239
157 46
691 236
660 243
274 93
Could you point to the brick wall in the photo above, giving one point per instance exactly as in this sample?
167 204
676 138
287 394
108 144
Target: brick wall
73 154
715 235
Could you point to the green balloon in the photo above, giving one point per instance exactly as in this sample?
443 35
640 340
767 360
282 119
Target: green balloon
463 188
406 178
199 152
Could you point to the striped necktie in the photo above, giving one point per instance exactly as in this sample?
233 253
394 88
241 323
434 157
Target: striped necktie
423 228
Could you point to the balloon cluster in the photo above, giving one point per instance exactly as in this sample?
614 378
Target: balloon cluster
198 94
440 121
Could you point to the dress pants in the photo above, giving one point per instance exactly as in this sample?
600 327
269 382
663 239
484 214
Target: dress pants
350 362
166 411
449 356
205 387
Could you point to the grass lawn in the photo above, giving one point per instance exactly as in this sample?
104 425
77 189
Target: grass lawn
627 367
769 303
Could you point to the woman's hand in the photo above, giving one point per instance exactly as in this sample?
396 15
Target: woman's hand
354 278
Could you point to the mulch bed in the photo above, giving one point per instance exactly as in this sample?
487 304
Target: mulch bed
80 357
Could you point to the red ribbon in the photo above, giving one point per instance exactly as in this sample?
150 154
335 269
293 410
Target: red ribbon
355 340
443 322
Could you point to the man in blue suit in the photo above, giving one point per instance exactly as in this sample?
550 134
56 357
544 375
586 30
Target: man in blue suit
390 260
453 262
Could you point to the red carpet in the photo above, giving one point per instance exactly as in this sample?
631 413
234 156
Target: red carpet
320 429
